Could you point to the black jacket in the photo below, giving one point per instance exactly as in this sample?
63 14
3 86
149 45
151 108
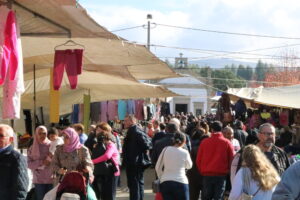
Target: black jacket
135 148
167 140
13 172
277 157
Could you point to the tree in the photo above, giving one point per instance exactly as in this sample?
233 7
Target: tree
260 70
222 79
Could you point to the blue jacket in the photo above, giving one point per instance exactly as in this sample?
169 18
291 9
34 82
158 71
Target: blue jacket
288 188
13 172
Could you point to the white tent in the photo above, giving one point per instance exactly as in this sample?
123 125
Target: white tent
283 97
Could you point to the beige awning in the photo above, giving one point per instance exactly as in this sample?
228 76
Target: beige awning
100 86
102 55
283 97
45 24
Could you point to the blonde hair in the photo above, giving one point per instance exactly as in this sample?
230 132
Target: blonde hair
261 169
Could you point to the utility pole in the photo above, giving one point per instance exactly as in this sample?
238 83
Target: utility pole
149 17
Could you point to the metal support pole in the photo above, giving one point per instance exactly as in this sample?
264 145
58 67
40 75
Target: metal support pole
149 17
34 99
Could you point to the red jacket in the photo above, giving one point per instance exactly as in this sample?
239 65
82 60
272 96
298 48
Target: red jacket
215 155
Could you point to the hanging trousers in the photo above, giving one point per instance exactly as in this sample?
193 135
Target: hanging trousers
71 60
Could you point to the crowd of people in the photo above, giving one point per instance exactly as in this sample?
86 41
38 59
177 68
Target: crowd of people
193 157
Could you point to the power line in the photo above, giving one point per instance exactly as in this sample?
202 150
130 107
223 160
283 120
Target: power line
229 33
221 51
129 28
261 49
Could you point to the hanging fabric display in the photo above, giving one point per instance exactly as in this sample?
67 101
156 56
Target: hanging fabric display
95 112
86 112
112 109
130 107
11 65
122 110
104 110
69 60
75 114
54 101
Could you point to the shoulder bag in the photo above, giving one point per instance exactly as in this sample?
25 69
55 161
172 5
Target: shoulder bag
246 186
156 183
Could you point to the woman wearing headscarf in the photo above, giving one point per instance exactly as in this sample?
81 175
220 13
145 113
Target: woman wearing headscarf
72 155
39 162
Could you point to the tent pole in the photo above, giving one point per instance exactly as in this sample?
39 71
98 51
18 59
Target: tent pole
34 98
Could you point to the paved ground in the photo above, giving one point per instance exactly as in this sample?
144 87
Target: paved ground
122 194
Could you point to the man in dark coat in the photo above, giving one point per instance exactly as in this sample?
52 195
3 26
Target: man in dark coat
13 168
135 157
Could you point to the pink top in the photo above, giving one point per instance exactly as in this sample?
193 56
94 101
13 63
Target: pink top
110 153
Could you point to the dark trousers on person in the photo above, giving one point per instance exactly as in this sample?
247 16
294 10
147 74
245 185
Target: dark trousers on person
41 190
172 190
195 184
105 187
213 187
135 182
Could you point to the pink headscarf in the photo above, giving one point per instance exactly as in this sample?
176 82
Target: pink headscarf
35 146
74 140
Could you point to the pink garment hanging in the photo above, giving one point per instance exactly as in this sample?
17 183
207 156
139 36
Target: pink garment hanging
71 60
12 88
9 56
112 109
103 114
139 109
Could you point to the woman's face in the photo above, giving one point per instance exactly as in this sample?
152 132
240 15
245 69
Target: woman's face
66 139
41 135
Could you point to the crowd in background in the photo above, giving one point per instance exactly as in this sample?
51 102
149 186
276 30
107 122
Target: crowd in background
193 156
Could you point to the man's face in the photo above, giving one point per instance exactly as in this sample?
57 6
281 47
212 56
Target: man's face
5 140
127 122
267 136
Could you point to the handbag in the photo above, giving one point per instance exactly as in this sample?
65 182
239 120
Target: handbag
156 183
246 180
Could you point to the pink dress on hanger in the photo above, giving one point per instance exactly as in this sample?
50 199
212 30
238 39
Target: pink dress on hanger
11 65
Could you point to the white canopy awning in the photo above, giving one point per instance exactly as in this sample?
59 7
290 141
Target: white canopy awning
283 97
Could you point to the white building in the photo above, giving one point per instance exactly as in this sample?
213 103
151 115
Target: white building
194 95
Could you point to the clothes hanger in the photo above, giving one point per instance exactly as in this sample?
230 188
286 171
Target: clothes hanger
69 43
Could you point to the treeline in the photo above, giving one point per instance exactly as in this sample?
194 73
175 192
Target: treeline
232 76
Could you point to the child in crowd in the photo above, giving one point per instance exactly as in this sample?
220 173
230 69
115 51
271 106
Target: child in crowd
55 141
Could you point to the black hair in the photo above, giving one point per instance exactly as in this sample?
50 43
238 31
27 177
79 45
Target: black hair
216 126
179 138
52 131
162 126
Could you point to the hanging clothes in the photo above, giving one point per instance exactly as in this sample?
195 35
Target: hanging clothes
165 108
112 109
81 110
95 112
284 118
9 53
86 112
54 101
13 63
145 109
103 115
75 114
122 109
130 107
139 108
71 60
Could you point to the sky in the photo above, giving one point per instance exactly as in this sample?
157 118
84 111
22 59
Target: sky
261 17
